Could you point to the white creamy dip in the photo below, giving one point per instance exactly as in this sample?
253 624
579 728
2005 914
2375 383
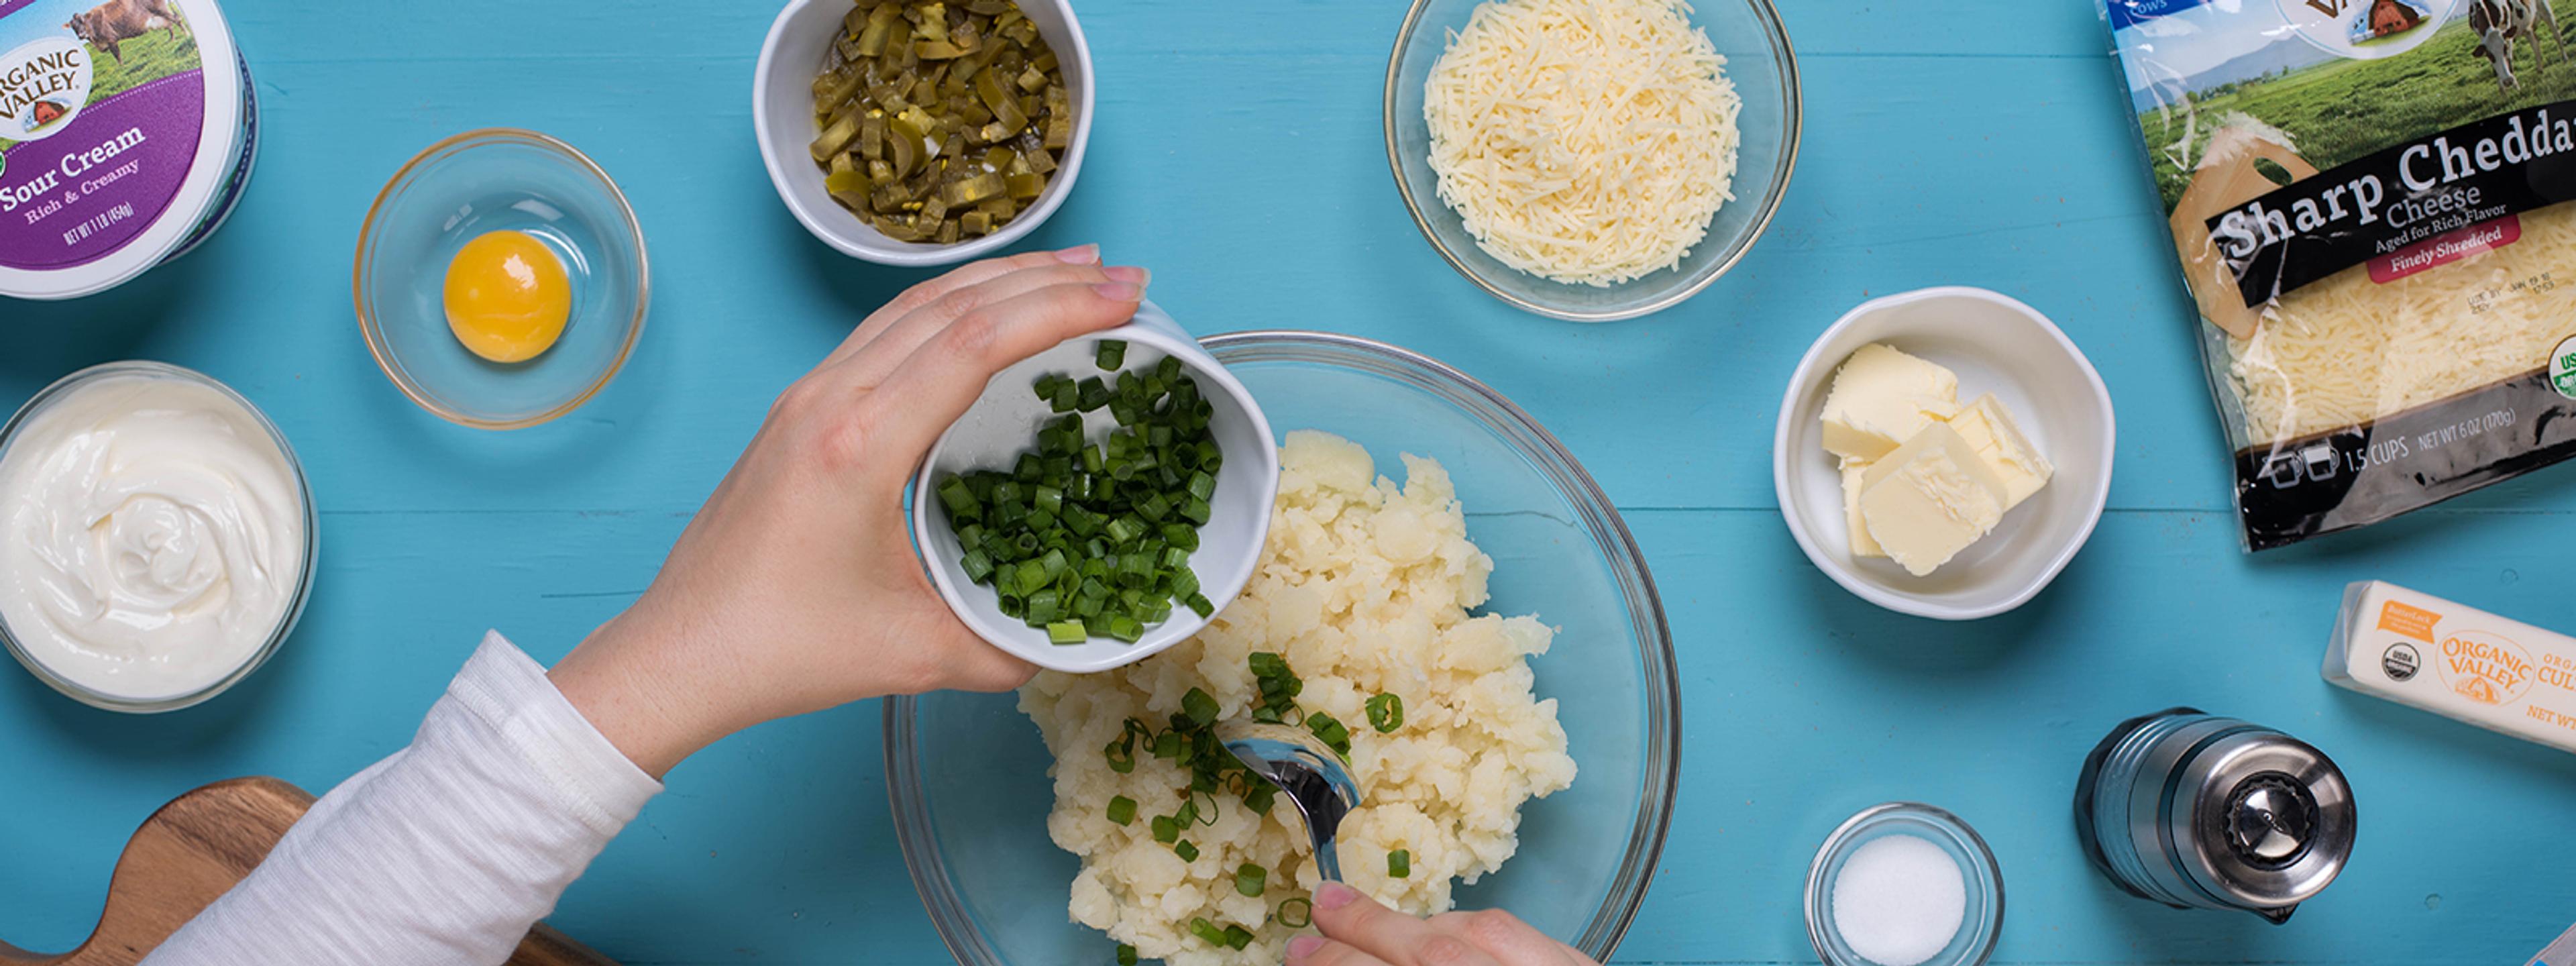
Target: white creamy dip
152 534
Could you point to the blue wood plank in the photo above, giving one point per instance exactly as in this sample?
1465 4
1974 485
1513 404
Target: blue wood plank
1238 153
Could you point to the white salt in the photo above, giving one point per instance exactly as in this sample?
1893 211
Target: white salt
1899 899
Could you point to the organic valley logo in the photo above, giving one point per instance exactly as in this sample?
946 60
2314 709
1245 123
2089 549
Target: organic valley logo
2365 29
43 86
2485 668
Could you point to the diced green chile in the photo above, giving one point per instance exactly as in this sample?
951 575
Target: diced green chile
909 86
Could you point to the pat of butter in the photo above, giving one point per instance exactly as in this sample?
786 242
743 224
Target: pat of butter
1881 398
2420 650
1862 545
1930 499
1990 430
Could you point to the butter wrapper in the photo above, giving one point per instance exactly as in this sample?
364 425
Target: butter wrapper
2420 650
2560 953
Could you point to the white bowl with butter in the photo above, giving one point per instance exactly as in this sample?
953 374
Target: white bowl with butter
2047 402
157 536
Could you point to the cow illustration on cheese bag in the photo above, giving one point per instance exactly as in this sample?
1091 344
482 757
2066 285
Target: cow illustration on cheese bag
2369 207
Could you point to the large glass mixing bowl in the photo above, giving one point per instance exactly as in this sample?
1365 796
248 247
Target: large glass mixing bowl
968 772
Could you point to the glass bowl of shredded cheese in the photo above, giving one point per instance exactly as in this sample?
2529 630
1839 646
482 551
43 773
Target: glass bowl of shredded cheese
972 779
1589 160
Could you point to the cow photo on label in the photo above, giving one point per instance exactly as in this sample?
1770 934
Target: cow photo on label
2498 23
116 21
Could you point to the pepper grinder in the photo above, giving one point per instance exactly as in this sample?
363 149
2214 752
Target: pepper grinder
2198 811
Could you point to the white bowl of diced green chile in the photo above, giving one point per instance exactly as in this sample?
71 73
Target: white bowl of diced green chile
1101 501
914 132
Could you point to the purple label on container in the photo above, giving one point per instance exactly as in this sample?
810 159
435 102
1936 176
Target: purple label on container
101 109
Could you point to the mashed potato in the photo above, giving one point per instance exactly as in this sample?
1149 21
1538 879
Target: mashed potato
1364 588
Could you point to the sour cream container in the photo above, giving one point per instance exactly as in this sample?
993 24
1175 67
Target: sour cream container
128 130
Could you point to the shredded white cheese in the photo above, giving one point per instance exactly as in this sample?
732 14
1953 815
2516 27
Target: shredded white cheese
2347 350
1583 141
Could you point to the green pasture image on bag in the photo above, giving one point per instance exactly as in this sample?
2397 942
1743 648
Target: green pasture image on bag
2368 201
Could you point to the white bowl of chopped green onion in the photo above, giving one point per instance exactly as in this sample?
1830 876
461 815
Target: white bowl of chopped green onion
1101 501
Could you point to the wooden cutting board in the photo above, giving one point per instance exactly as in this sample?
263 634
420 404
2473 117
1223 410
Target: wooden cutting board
196 847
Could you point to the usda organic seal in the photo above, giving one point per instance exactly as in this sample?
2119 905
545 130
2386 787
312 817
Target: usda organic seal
2562 367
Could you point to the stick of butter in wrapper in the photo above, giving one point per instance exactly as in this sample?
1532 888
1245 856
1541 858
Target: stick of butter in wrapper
2560 953
2420 650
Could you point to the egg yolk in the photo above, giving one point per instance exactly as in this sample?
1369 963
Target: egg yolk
507 297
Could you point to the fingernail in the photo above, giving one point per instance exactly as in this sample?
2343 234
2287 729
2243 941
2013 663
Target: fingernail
1304 946
1119 291
1129 273
1080 255
1335 895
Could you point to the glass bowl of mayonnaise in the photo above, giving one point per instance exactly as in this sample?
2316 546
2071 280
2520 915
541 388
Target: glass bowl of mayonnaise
157 537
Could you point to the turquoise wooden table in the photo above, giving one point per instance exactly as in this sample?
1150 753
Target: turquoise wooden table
1238 154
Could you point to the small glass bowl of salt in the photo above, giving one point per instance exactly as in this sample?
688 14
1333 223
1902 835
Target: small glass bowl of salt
1904 884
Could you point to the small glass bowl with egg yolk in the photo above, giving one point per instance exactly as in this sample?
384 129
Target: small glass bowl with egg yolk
501 279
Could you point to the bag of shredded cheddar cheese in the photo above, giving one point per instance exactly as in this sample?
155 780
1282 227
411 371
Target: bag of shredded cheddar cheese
2368 198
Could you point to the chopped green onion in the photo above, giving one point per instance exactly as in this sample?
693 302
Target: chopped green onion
1237 937
1330 731
1187 852
1124 529
1165 830
1206 930
1399 863
1126 955
1302 907
1206 816
1249 879
1122 810
1259 797
1385 712
1111 355
1094 539
1200 707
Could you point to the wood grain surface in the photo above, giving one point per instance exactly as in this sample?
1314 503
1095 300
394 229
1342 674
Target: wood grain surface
198 846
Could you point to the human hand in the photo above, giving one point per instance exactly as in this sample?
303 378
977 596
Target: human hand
796 587
1359 932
